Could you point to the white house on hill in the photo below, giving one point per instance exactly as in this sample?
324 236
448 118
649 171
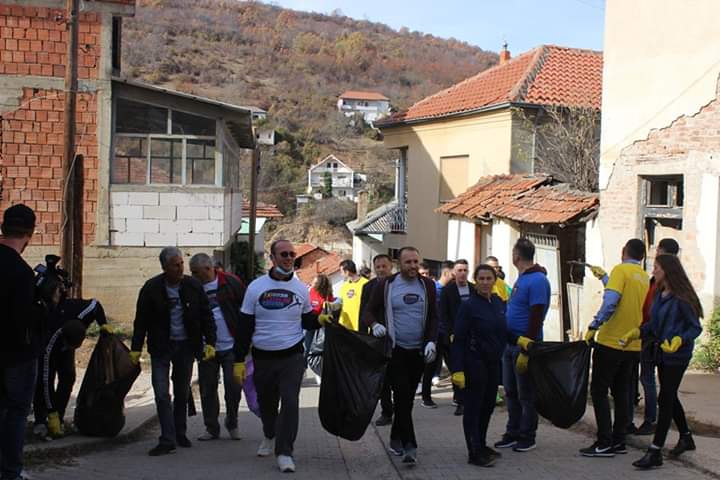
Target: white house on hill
372 105
345 181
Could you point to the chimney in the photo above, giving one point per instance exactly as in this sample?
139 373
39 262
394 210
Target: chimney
504 54
362 205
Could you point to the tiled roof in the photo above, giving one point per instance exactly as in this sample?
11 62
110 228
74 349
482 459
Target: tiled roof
327 265
264 210
360 95
523 198
302 249
546 75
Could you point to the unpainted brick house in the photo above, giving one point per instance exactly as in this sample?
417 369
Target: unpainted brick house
161 167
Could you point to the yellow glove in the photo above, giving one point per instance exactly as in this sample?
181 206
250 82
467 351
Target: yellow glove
107 328
598 272
135 357
524 342
208 353
626 339
55 428
521 365
458 379
590 335
672 346
326 315
239 372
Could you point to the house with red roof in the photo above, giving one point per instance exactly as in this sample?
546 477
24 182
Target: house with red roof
371 105
447 142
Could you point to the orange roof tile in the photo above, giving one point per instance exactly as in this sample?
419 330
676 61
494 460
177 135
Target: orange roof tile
546 75
264 210
302 249
360 95
522 198
327 265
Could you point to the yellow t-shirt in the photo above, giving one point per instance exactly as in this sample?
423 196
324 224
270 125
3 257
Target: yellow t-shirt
350 294
632 283
501 290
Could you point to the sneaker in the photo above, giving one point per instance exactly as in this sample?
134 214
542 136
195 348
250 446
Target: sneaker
410 455
685 444
318 380
482 459
646 428
435 381
506 441
161 449
184 442
620 448
383 420
598 450
285 463
489 451
455 403
234 433
652 458
207 436
396 448
524 446
266 447
428 403
418 390
459 411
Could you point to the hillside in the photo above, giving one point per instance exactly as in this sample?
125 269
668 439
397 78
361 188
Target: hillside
293 64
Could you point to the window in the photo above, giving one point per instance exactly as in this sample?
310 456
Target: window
116 44
453 176
157 145
662 199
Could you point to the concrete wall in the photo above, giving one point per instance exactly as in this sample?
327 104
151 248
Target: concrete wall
461 241
485 138
364 250
504 236
660 85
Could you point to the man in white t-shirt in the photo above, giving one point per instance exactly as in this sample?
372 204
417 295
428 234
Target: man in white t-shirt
274 312
225 293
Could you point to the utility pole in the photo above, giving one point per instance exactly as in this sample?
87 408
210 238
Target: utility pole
254 171
71 214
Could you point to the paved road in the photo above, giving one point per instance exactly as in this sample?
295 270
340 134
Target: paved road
320 456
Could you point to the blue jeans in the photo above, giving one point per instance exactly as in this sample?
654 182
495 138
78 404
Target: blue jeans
647 379
520 397
17 385
172 414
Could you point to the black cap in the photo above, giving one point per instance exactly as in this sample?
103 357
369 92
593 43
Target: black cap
18 219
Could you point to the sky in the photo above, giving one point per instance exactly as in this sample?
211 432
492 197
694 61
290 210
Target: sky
524 24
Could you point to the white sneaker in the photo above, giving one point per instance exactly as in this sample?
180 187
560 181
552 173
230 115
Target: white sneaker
207 436
266 447
318 380
435 381
235 433
286 463
418 390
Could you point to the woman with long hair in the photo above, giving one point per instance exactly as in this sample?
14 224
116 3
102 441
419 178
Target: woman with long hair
673 327
321 293
476 353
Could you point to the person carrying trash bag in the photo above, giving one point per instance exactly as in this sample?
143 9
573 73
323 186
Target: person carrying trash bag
68 320
673 327
480 338
403 307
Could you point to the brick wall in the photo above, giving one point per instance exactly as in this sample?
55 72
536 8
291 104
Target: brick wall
31 154
33 41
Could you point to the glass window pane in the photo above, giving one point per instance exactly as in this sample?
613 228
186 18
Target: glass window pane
165 161
187 124
200 162
136 117
129 163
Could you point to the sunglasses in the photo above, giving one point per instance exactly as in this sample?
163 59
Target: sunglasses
287 254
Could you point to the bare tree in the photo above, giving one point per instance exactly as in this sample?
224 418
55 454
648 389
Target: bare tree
565 144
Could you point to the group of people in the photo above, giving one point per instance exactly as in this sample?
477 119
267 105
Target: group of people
481 329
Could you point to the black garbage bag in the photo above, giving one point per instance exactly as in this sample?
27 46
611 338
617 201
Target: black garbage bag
100 405
560 372
315 353
354 367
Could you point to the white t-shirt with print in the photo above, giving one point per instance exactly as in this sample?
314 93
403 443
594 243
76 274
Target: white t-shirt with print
278 307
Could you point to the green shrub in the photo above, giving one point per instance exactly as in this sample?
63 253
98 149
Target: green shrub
707 355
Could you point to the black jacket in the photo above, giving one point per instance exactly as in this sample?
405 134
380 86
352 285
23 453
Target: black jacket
450 305
152 316
367 291
231 292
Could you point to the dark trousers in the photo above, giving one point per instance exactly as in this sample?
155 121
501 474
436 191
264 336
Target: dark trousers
386 401
480 390
647 379
611 372
633 389
61 368
17 384
520 398
433 369
278 381
172 413
405 369
670 407
208 372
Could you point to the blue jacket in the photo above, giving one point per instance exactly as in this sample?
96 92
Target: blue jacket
481 332
672 317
